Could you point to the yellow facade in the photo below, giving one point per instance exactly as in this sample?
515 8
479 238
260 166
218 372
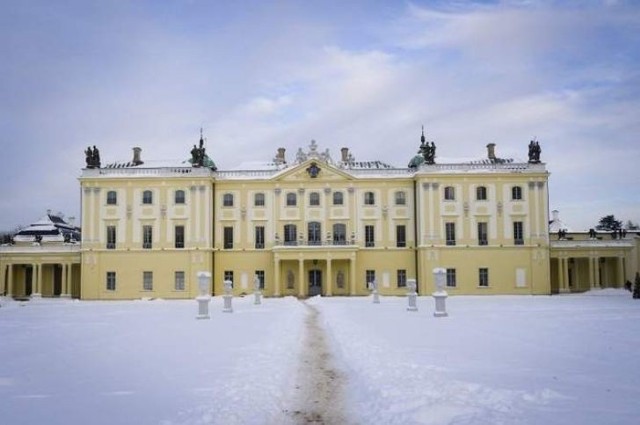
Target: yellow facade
318 226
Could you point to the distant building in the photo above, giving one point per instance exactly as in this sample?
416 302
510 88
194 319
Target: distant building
312 224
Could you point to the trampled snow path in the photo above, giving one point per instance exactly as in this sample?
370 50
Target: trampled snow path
319 390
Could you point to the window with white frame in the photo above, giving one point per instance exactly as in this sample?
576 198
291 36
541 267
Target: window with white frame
450 233
449 193
516 193
228 237
259 237
483 233
179 197
111 281
483 276
451 278
258 200
147 281
401 198
339 234
402 278
147 237
112 197
401 236
179 281
369 198
292 199
227 200
481 193
338 198
179 236
111 237
369 236
518 233
314 199
290 234
147 197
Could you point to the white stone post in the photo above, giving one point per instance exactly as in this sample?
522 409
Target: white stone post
228 296
440 295
373 285
411 295
204 296
257 294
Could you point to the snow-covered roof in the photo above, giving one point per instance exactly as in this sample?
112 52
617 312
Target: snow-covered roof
50 226
555 225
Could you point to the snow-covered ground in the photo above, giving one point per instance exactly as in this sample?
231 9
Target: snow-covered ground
494 360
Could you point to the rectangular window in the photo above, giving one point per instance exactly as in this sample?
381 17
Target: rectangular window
450 231
402 278
369 198
112 197
290 234
179 197
260 275
111 237
258 200
111 281
483 276
228 275
401 236
451 278
449 193
401 198
179 281
228 238
179 236
482 233
259 237
369 236
518 233
370 276
147 237
227 200
147 281
147 197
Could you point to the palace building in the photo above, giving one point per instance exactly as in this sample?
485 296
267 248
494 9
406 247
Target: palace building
311 225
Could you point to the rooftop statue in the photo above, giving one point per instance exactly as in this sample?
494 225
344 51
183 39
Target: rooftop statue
92 157
534 152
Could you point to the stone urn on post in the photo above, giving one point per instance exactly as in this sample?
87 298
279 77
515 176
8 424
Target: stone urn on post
228 297
204 297
440 295
257 293
411 295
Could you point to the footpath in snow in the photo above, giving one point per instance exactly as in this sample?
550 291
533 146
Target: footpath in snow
494 360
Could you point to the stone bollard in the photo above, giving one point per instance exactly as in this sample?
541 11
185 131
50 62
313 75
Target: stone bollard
203 298
257 293
440 295
374 289
412 295
228 297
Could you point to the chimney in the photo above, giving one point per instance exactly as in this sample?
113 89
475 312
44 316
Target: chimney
491 151
280 157
136 156
345 154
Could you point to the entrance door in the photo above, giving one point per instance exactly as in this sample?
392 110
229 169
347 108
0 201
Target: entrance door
315 282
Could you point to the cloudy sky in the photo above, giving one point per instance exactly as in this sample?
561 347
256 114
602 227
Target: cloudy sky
257 75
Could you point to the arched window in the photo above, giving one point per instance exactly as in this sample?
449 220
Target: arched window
339 234
314 199
112 197
258 200
292 200
401 198
338 198
481 193
227 200
147 197
449 193
369 198
179 197
516 193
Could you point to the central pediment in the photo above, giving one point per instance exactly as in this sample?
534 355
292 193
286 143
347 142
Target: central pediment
313 170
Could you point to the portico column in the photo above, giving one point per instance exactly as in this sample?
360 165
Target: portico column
620 279
66 280
597 271
329 278
10 286
565 275
3 279
352 275
592 278
560 275
301 280
276 274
